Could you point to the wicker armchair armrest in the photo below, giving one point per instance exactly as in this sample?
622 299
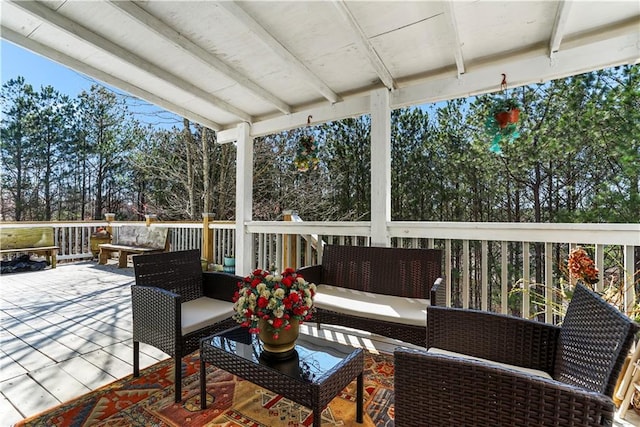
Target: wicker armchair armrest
501 338
311 273
441 390
153 323
220 286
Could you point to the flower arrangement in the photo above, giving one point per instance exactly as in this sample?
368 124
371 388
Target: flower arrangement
307 154
276 298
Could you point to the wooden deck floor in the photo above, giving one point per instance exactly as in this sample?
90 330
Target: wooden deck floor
67 331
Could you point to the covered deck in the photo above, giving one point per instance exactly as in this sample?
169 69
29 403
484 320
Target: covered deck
266 67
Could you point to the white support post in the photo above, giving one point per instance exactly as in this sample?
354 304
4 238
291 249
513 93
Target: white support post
244 199
380 167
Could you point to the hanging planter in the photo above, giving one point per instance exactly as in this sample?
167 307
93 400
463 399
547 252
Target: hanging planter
307 152
511 115
504 114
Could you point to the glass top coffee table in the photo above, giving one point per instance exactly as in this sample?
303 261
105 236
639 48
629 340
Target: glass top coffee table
316 373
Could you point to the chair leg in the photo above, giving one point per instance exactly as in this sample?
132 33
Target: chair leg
178 377
136 359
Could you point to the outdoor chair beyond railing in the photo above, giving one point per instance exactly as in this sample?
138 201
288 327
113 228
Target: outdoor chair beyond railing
175 304
486 369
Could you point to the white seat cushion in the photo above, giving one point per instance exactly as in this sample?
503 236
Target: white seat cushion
202 312
529 371
411 311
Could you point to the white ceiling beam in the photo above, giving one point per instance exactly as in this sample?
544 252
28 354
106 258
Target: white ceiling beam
272 43
522 68
452 23
82 33
106 78
156 25
361 39
576 57
321 113
559 26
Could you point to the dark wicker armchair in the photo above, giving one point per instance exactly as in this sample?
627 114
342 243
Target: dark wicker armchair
175 304
583 357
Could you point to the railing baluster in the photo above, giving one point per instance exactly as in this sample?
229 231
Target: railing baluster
526 277
548 290
504 278
464 271
447 271
599 260
627 279
485 275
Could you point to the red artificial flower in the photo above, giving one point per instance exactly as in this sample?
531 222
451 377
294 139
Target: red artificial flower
287 281
288 303
263 302
277 323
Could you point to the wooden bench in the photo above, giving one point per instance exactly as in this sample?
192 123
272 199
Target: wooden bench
134 239
377 289
32 240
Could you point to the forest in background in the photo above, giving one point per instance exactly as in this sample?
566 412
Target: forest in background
577 159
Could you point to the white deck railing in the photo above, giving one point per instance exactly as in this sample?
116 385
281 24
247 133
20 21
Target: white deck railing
482 263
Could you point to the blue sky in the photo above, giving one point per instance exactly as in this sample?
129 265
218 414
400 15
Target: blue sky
39 71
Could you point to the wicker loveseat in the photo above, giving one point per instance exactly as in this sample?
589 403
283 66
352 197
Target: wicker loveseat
175 304
578 366
377 289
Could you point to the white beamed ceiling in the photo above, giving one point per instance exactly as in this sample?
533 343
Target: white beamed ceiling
273 63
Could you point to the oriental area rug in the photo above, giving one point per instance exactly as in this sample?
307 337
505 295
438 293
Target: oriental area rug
149 401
